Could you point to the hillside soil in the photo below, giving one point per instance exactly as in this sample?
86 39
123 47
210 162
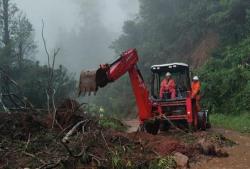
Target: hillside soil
80 140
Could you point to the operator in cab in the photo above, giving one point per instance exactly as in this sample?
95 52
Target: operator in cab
196 90
168 86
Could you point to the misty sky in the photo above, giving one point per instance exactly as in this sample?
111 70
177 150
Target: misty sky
66 17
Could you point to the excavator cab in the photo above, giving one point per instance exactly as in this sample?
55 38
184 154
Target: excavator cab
180 110
180 74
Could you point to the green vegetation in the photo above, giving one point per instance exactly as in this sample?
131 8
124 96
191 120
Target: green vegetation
117 161
17 53
108 122
235 122
227 75
167 162
163 31
173 30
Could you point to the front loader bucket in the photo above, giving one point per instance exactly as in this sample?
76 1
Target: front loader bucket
87 82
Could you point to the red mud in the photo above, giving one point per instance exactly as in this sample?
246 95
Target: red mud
161 145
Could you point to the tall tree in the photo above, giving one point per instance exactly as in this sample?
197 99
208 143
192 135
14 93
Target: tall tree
16 48
5 18
17 41
23 39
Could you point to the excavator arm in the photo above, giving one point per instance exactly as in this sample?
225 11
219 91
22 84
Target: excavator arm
90 81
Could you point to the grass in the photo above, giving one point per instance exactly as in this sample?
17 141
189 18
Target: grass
167 162
109 122
239 123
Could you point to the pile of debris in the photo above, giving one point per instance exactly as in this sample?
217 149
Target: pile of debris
80 140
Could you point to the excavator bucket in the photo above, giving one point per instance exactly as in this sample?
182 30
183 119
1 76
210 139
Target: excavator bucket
90 81
87 82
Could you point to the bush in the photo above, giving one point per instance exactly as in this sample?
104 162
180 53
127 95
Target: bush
234 122
163 163
108 122
227 76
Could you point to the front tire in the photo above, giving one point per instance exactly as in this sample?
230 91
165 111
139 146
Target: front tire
152 126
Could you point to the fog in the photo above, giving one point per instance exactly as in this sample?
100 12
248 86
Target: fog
82 29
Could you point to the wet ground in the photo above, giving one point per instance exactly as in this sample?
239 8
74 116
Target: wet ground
239 155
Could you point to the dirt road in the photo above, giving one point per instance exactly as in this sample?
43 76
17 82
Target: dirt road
239 155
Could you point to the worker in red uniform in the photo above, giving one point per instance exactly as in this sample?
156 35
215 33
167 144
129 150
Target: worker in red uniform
196 89
168 85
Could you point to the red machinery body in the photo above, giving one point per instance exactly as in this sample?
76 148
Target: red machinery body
149 106
127 63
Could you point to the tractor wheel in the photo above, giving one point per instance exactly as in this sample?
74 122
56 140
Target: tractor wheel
202 120
152 126
164 126
208 125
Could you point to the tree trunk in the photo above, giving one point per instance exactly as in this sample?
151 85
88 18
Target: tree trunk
6 34
20 55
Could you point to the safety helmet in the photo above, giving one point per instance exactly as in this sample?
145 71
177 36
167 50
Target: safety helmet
195 78
168 74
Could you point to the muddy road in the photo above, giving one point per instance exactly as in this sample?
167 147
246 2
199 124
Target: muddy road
239 155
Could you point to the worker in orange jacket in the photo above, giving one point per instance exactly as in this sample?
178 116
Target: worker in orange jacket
196 89
168 85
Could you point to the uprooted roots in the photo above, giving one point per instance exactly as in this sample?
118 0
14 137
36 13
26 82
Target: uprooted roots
84 141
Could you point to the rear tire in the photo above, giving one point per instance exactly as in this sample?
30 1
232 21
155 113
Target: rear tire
202 120
164 126
209 125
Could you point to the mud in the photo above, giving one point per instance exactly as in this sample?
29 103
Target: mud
27 140
235 144
239 154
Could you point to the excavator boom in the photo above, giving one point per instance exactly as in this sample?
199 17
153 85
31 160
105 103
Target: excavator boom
90 81
151 110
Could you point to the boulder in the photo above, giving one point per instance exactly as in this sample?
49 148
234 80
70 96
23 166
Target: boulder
181 160
209 149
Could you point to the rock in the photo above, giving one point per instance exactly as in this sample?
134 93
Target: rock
181 160
207 148
221 153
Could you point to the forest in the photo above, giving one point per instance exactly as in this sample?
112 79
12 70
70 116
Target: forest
17 51
45 123
211 36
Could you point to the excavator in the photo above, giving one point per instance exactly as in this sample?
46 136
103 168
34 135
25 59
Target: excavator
154 112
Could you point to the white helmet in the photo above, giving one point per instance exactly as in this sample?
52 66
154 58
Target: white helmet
168 74
196 78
